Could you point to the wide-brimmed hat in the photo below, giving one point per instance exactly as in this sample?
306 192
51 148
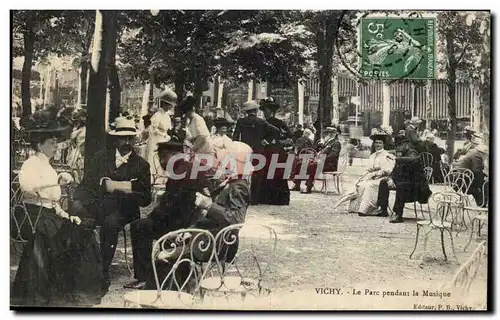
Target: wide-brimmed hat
45 123
378 134
415 120
171 145
124 127
187 104
269 103
169 97
240 152
250 105
220 122
331 129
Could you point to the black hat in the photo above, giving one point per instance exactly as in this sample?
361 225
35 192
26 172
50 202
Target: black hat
187 104
220 122
269 103
45 124
171 145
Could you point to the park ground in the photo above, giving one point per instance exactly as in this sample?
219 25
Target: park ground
320 247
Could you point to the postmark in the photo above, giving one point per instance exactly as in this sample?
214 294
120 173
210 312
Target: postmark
388 47
396 48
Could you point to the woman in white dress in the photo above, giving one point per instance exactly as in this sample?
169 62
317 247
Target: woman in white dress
197 133
160 124
380 166
220 140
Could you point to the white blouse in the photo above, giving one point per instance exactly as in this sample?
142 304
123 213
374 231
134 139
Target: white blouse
383 160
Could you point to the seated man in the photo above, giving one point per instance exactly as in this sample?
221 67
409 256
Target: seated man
115 185
227 205
474 160
436 152
331 150
407 178
176 210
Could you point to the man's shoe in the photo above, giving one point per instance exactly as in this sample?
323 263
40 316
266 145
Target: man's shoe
137 285
397 220
307 191
382 213
361 214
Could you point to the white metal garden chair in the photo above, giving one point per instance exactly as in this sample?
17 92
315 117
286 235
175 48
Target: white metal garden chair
440 220
458 181
335 176
481 217
184 248
240 272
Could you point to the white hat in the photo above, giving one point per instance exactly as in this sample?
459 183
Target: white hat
124 127
250 105
415 120
430 136
169 97
241 153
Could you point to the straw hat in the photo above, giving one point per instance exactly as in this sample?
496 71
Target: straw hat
169 97
250 105
415 120
124 127
241 153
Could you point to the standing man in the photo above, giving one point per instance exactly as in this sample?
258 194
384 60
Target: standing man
115 196
411 133
256 133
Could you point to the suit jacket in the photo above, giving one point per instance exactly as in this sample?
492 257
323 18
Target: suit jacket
253 130
176 208
95 198
332 150
433 149
408 170
411 136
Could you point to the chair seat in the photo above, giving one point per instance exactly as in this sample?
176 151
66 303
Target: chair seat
168 299
435 224
481 217
231 284
478 209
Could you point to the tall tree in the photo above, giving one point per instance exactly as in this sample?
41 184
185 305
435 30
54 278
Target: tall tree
461 43
95 139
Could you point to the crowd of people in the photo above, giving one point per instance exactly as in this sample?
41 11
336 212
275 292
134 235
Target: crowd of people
396 163
64 264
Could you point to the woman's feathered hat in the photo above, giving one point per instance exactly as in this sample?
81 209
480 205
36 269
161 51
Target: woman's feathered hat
381 133
269 103
220 122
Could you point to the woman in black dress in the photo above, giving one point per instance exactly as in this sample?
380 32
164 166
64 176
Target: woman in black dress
60 264
275 190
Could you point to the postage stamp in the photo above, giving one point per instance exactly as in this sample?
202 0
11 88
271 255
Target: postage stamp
396 48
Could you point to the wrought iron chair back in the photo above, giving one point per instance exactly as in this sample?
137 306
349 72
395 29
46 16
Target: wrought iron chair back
428 174
184 248
427 159
459 180
443 212
445 168
22 221
243 261
308 151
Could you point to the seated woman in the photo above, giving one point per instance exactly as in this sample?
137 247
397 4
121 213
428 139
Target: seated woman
220 140
60 264
381 165
431 147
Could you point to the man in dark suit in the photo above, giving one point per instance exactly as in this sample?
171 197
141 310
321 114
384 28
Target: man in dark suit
411 134
176 209
257 133
430 146
407 178
117 183
474 160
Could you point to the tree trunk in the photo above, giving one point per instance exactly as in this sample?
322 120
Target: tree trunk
95 139
452 103
83 82
29 44
113 80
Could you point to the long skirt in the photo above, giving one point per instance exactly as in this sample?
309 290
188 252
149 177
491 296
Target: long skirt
60 265
274 190
366 200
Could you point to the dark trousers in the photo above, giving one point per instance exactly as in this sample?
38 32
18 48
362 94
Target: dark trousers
311 172
403 190
111 226
143 232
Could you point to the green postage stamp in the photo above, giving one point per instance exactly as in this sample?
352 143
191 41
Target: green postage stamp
397 48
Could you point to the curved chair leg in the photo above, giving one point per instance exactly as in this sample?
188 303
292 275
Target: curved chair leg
453 246
125 251
416 241
426 238
442 244
415 209
325 186
471 234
